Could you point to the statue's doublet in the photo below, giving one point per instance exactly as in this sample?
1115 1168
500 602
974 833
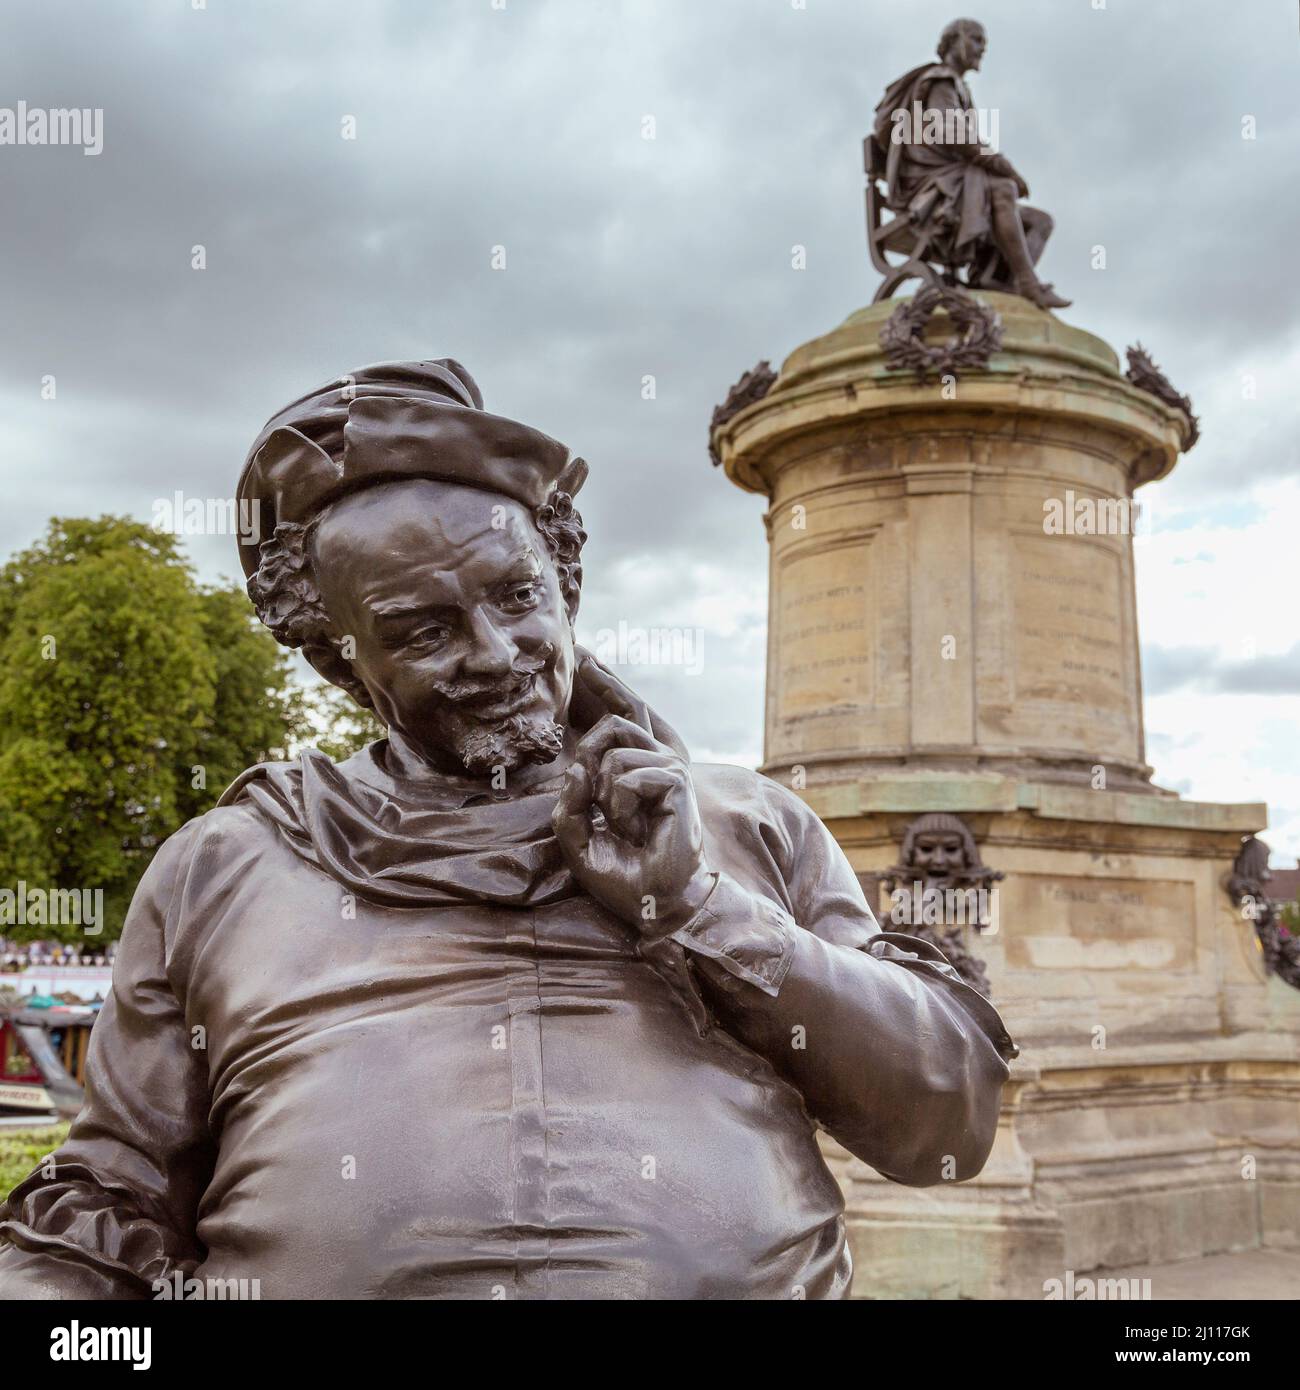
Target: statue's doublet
524 1100
463 1100
368 1037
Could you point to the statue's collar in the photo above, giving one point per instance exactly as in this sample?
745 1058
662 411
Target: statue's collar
404 841
395 765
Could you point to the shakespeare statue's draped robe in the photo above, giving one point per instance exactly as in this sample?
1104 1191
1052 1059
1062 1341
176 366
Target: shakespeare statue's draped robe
943 186
369 1039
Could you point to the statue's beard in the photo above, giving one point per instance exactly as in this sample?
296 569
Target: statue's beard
514 742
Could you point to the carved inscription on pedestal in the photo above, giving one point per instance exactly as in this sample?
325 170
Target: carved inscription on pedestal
1099 923
825 630
1071 644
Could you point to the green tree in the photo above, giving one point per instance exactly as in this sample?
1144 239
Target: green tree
129 698
258 711
332 722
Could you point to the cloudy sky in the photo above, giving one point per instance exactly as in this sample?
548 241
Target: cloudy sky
521 124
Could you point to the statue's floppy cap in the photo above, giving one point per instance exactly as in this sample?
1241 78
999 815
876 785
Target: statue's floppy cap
388 422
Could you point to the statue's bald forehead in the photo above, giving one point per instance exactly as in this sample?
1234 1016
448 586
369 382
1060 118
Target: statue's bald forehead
418 511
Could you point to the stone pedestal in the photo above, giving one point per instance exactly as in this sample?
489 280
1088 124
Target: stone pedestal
952 628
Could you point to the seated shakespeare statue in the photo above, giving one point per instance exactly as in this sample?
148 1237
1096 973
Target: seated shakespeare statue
957 199
517 1002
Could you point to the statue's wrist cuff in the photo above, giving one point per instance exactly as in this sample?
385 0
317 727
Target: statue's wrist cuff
749 936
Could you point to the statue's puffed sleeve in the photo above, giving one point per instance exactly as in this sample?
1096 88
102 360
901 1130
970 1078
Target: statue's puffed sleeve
114 1208
895 1055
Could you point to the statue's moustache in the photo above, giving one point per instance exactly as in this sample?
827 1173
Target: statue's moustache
458 692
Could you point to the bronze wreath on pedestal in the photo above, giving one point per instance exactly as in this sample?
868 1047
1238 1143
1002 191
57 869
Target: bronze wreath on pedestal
978 336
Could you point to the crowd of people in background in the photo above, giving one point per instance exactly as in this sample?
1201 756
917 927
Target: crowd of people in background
44 955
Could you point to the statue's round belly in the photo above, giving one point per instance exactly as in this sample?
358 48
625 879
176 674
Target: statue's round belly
555 1128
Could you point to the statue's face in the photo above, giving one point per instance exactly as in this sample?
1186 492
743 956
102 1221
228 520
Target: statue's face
939 854
459 628
967 51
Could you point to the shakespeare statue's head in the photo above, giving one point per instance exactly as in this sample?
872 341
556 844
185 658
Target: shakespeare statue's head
425 556
962 45
937 845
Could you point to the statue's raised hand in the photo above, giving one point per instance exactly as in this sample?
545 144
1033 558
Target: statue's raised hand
628 823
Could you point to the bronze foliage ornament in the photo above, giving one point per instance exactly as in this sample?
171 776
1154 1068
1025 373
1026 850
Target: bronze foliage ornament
752 386
978 335
1146 376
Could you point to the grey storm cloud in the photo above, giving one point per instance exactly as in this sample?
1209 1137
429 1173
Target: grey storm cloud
626 258
1169 669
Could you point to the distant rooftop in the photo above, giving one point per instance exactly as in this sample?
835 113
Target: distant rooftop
1285 885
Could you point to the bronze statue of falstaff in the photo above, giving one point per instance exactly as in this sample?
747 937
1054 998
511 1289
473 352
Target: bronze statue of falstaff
518 1002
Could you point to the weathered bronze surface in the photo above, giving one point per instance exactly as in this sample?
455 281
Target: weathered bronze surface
1146 376
518 1002
752 386
954 200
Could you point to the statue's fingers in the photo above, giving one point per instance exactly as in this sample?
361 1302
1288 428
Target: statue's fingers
613 731
619 761
571 819
617 696
638 797
624 811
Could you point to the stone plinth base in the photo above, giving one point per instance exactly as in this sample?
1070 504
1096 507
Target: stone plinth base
1121 1165
1154 1113
953 627
1253 1276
